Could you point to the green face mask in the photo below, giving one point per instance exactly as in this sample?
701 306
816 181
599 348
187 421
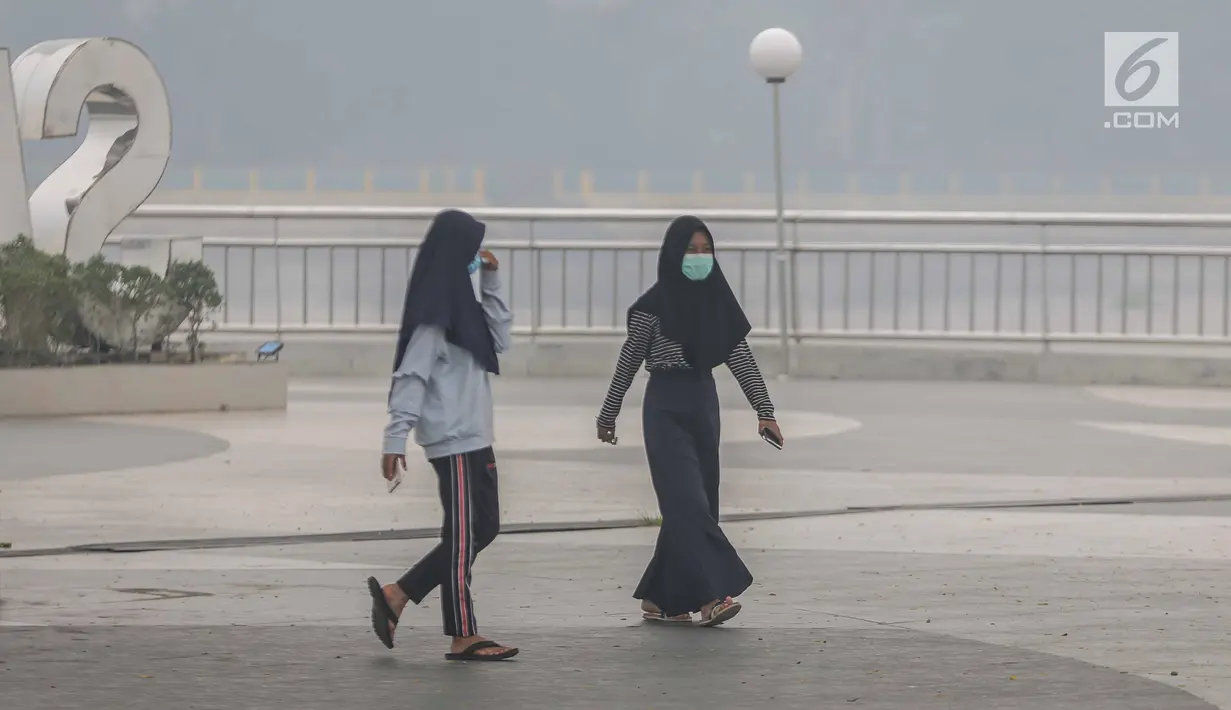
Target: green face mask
698 266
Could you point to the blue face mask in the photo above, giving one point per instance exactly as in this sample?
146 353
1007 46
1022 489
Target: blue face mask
697 267
475 265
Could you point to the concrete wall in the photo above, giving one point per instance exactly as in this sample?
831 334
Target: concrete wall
1176 366
142 389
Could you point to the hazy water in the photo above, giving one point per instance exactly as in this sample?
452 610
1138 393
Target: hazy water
835 291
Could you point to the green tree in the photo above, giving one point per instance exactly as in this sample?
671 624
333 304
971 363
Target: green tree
192 285
139 291
128 291
37 302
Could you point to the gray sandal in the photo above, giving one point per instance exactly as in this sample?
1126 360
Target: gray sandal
721 612
662 617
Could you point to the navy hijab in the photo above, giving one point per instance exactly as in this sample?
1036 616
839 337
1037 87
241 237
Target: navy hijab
440 292
704 317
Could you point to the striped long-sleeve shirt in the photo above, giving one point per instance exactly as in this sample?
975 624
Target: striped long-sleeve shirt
647 344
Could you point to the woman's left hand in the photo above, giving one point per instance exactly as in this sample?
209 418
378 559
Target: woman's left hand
489 260
763 424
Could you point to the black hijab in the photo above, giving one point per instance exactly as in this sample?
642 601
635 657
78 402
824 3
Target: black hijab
440 292
704 317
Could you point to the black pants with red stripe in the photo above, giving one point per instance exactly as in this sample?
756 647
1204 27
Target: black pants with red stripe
470 496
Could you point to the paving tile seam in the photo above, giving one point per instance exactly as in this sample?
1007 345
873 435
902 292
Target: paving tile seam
580 526
365 627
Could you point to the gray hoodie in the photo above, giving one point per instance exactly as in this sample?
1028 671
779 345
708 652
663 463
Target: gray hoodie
441 391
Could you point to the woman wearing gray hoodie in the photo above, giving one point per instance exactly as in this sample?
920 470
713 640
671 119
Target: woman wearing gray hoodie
447 348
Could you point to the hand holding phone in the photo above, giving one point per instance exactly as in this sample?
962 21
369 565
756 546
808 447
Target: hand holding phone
607 435
770 433
391 468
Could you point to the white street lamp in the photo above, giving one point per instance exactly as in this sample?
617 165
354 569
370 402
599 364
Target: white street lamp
776 54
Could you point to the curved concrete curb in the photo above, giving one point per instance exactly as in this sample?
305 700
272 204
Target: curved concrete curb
579 526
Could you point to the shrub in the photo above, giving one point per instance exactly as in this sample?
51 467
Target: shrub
192 285
38 311
41 296
132 291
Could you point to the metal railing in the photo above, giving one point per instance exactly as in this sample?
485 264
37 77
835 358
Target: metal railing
277 281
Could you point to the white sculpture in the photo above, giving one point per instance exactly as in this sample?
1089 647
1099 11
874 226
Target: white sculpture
123 94
118 165
14 210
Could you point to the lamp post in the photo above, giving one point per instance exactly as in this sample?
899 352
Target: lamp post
776 54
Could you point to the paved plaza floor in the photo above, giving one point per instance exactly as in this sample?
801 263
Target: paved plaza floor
916 545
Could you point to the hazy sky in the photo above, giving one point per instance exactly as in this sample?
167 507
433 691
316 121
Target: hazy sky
976 86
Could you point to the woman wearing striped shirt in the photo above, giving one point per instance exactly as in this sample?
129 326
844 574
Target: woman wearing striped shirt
684 326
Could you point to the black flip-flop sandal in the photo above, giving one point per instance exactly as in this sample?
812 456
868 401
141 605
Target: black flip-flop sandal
471 653
382 613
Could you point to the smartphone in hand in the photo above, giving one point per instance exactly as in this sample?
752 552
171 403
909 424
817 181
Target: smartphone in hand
768 435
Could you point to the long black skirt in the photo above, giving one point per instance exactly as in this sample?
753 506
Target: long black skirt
694 563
